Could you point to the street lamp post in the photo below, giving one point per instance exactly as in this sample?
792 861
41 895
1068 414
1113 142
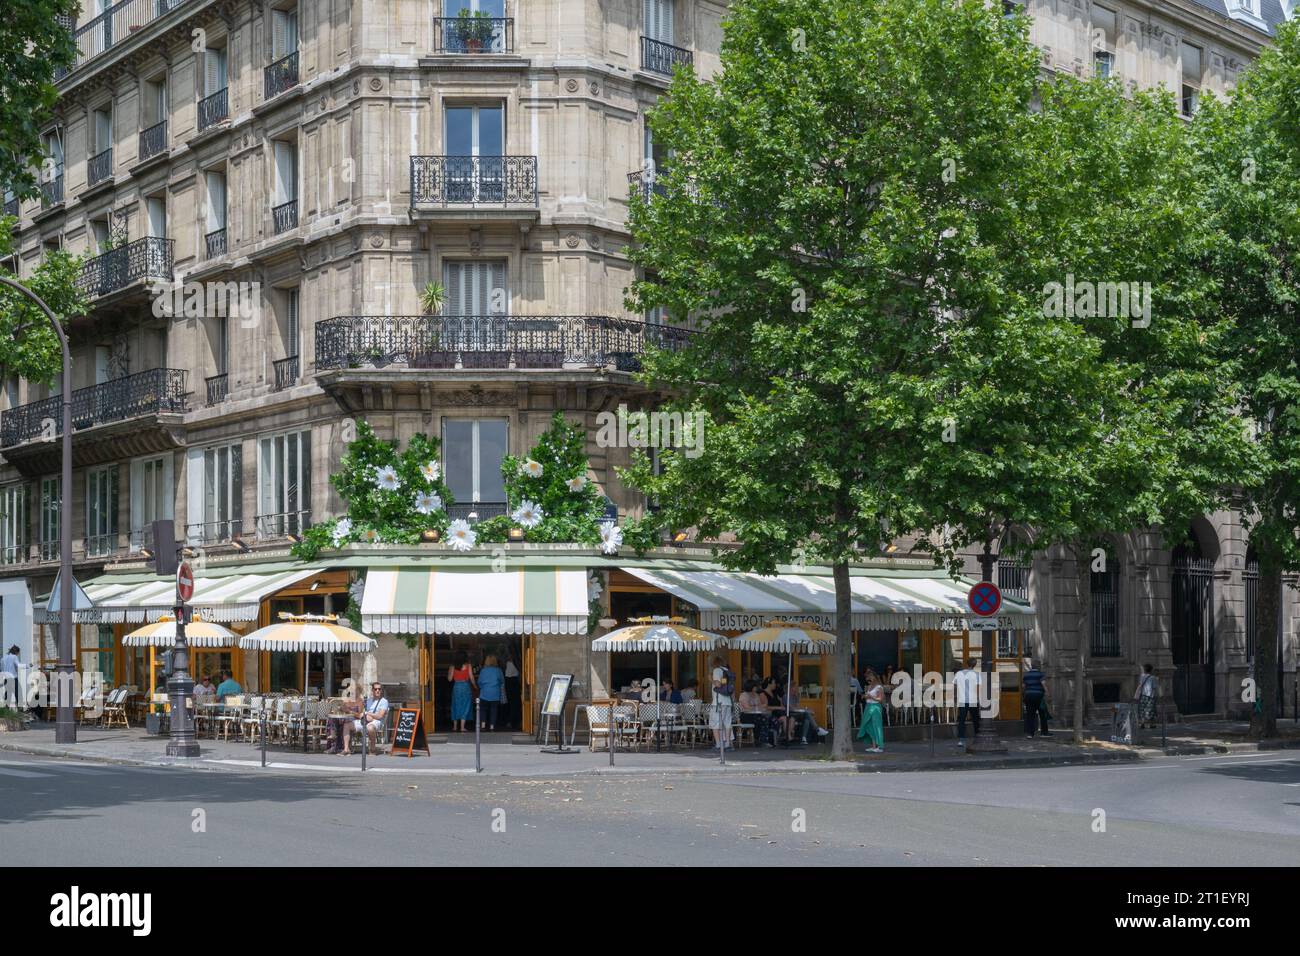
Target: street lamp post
65 727
987 740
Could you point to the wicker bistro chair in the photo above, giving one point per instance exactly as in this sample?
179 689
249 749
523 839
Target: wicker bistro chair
115 709
695 726
250 720
627 724
647 716
86 711
229 718
597 724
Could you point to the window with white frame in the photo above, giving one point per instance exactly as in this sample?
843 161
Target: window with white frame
284 484
1193 72
101 511
473 450
14 501
152 497
51 510
215 479
1104 24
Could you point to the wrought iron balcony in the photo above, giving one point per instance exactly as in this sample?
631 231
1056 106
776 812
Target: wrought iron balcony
11 207
475 511
286 372
102 545
16 553
48 550
473 35
52 191
283 524
115 24
215 108
218 388
153 140
490 341
644 182
148 258
660 57
99 167
215 242
285 216
157 391
214 532
280 76
473 181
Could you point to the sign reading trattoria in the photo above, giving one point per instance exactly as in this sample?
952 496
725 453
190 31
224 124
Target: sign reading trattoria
745 621
958 624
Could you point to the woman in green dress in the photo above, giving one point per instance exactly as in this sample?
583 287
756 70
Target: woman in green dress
873 723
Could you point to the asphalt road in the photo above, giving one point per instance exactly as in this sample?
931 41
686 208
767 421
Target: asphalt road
1238 810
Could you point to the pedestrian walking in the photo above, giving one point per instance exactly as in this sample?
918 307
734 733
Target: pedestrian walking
1145 697
1034 689
966 688
724 690
461 678
873 722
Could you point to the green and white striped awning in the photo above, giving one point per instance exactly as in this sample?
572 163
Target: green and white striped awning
232 597
882 600
475 600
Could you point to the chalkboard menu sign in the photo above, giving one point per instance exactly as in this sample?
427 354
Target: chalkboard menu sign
556 693
408 732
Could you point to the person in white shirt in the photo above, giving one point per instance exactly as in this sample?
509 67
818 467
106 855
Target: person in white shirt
689 692
10 666
204 687
372 719
966 685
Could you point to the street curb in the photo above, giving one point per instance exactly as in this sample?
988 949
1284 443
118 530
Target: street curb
1004 763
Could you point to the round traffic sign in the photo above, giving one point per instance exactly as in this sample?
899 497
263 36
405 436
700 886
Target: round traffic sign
985 599
184 581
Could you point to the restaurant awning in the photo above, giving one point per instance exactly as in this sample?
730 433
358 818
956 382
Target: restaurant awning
475 600
882 600
231 597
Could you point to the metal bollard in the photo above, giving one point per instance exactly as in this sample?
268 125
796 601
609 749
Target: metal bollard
930 722
613 729
365 738
1164 730
263 725
478 756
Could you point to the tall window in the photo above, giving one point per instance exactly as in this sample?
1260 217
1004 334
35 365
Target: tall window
284 210
215 77
51 509
156 216
151 497
103 129
216 494
475 145
473 450
1193 70
1103 40
155 101
658 18
52 140
284 484
476 288
291 324
284 32
215 242
1105 610
101 510
13 523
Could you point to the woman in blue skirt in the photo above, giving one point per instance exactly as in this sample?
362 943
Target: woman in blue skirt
461 678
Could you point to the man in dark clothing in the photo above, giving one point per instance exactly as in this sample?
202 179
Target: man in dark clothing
1034 688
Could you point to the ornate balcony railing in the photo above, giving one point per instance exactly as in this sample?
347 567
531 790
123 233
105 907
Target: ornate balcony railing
101 545
49 550
490 341
52 191
16 553
218 388
281 75
645 183
474 511
153 392
117 23
214 532
473 181
660 57
285 523
147 258
473 35
215 242
285 216
99 167
153 140
213 109
286 372
11 207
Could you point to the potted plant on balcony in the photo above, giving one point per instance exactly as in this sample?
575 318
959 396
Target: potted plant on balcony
431 297
475 29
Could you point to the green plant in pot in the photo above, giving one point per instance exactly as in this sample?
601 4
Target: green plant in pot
475 29
432 297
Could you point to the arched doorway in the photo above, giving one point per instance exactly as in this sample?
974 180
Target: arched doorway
1191 584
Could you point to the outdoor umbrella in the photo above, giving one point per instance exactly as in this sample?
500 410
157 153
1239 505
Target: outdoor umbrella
658 634
198 633
784 636
307 633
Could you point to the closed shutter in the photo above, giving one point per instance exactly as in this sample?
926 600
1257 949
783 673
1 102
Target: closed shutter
291 326
284 38
194 487
658 16
455 288
497 301
214 71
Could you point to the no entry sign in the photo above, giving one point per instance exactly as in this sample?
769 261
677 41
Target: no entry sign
184 581
985 599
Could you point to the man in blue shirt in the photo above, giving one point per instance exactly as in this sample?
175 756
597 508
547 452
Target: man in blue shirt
1034 688
228 687
372 719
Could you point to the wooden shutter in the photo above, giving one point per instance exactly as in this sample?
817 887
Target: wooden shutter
454 274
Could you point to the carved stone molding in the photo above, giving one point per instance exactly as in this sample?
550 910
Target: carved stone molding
475 396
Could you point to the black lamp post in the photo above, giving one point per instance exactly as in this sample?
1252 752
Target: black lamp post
987 741
65 727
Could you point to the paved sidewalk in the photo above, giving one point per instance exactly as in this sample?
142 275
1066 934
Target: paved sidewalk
451 756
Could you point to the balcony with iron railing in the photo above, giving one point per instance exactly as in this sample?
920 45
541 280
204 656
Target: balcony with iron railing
214 243
474 183
99 167
156 391
52 191
280 76
645 183
214 108
475 511
153 141
283 524
286 372
447 342
471 34
214 532
660 57
12 207
113 26
148 259
285 216
102 545
218 388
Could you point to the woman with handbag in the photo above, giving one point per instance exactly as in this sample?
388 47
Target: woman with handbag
1148 690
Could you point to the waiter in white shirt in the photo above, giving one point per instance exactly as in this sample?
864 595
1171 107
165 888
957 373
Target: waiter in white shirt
967 688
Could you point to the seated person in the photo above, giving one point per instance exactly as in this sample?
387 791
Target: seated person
229 687
753 710
668 694
774 702
372 719
691 690
203 688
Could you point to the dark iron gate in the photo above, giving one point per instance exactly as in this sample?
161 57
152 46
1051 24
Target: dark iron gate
1192 633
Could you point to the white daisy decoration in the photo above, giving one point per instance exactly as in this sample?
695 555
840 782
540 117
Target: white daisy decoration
531 468
460 535
577 484
528 514
386 478
426 502
370 536
611 537
431 471
594 588
341 530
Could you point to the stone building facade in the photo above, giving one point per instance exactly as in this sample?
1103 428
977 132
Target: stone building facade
317 163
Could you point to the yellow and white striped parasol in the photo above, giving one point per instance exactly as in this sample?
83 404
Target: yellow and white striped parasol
658 634
308 632
198 633
784 637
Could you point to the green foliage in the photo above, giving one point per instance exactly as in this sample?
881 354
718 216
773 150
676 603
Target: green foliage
34 353
432 296
32 45
376 514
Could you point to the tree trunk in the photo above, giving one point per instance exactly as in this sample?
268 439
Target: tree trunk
842 739
1083 569
1268 607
